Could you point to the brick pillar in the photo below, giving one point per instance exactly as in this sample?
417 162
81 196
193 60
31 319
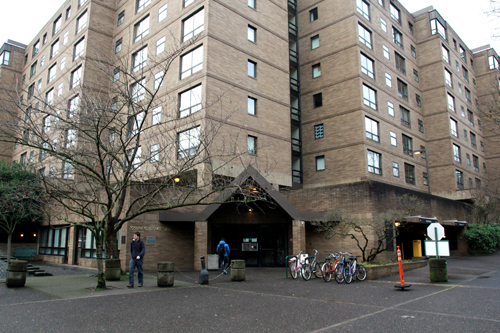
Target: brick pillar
200 243
299 236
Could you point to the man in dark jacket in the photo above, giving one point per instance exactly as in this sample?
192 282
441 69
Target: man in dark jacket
137 250
223 251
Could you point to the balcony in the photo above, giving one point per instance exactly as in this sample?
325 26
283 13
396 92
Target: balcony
295 114
297 176
294 84
296 145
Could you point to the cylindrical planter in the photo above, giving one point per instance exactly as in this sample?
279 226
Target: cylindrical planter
237 270
165 274
113 270
438 270
16 273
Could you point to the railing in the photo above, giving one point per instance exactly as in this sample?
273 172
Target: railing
292 4
297 176
295 114
294 84
405 123
294 56
292 28
296 145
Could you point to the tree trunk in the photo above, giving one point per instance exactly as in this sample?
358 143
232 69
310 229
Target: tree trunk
111 244
101 279
9 247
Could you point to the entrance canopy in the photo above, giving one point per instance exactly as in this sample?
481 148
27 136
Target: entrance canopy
429 220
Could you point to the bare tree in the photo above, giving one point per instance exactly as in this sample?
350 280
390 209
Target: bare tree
121 144
372 236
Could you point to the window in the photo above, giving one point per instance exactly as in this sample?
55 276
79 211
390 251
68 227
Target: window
78 49
370 97
456 153
395 14
76 77
482 146
475 84
70 138
135 124
81 3
386 52
141 4
390 108
446 53
400 62
314 42
138 90
468 158
136 160
31 91
118 45
447 77
313 14
251 4
425 178
65 37
316 71
465 135
190 101
192 62
413 52
465 74
470 117
81 22
73 106
402 89
451 102
121 18
438 28
383 25
415 74
160 45
395 169
374 162
193 25
365 36
154 152
46 124
421 125
162 13
60 89
367 66
457 65
418 100
394 139
318 100
68 12
53 241
381 2
388 80
44 38
372 129
492 60
252 68
397 37
57 25
463 54
54 49
405 117
363 8
251 106
320 163
484 167
156 115
410 174
252 144
187 3
467 95
318 131
158 80
460 179
252 34
116 74
460 90
473 140
36 48
463 111
410 27
407 145
454 44
139 59
52 73
33 69
42 60
114 104
454 127
141 29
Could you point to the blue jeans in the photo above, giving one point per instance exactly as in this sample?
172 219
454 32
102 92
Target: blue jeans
135 263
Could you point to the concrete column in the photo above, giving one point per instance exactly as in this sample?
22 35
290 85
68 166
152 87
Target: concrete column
299 236
200 243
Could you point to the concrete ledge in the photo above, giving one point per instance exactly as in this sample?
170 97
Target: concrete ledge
377 272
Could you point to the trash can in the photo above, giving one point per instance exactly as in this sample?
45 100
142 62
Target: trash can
16 273
113 269
237 270
438 270
165 274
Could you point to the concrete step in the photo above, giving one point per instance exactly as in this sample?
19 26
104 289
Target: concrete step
42 273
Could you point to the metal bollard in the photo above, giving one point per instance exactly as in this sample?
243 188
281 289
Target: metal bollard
204 272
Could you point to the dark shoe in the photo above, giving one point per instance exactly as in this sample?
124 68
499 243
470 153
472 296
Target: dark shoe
130 286
140 285
225 272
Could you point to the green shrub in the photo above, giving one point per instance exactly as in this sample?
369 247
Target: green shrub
484 237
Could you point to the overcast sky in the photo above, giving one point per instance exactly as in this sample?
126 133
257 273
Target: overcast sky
21 20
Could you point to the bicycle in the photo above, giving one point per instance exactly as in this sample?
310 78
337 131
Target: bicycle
339 272
354 270
312 266
295 265
329 268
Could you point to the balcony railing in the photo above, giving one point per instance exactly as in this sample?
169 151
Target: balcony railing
292 4
297 176
294 84
295 114
292 28
294 56
296 145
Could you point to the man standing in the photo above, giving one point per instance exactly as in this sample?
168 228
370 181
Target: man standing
223 251
137 250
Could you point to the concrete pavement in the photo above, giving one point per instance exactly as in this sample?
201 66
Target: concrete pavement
266 301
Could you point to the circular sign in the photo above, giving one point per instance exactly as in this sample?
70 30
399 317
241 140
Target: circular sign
431 231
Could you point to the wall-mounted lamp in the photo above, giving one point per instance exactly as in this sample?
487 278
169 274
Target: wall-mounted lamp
397 224
34 234
250 210
22 235
177 179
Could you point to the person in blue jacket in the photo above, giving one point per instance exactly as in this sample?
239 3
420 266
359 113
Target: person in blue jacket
223 251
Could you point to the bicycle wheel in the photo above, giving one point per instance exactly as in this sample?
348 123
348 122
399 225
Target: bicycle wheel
339 273
293 270
327 276
318 270
361 272
306 272
347 275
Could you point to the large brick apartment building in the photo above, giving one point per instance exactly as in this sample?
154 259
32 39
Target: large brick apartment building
343 105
